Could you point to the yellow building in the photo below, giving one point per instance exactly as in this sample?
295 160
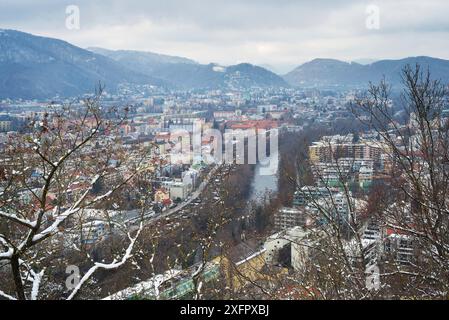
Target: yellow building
243 265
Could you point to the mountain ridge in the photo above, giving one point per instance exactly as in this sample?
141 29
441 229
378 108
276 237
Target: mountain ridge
334 73
194 75
35 67
145 56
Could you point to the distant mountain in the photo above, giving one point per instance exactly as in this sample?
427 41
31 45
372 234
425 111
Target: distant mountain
33 67
248 75
329 73
146 62
184 73
213 76
326 72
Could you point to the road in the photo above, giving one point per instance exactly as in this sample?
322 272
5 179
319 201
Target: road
193 196
134 215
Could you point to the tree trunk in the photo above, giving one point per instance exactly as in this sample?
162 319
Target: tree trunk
15 267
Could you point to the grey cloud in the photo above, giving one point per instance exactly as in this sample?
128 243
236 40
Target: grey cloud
277 32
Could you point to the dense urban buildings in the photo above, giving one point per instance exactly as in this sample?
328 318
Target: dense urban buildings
131 175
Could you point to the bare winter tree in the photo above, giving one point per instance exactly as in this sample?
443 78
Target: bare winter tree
418 209
332 263
60 188
407 205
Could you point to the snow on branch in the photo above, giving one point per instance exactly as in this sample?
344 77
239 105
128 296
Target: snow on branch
69 212
34 278
51 230
7 254
7 296
16 219
37 278
113 265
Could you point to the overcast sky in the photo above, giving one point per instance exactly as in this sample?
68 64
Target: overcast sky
279 33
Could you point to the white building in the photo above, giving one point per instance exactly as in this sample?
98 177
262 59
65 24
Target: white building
190 178
177 189
297 240
286 218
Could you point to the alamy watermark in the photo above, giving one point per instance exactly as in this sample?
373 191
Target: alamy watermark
73 278
73 18
372 21
228 148
373 278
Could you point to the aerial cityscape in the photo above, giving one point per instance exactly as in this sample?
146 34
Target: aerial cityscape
212 150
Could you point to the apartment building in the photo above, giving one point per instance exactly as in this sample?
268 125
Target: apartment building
324 151
287 218
309 193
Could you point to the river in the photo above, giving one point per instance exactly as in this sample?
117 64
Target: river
264 180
